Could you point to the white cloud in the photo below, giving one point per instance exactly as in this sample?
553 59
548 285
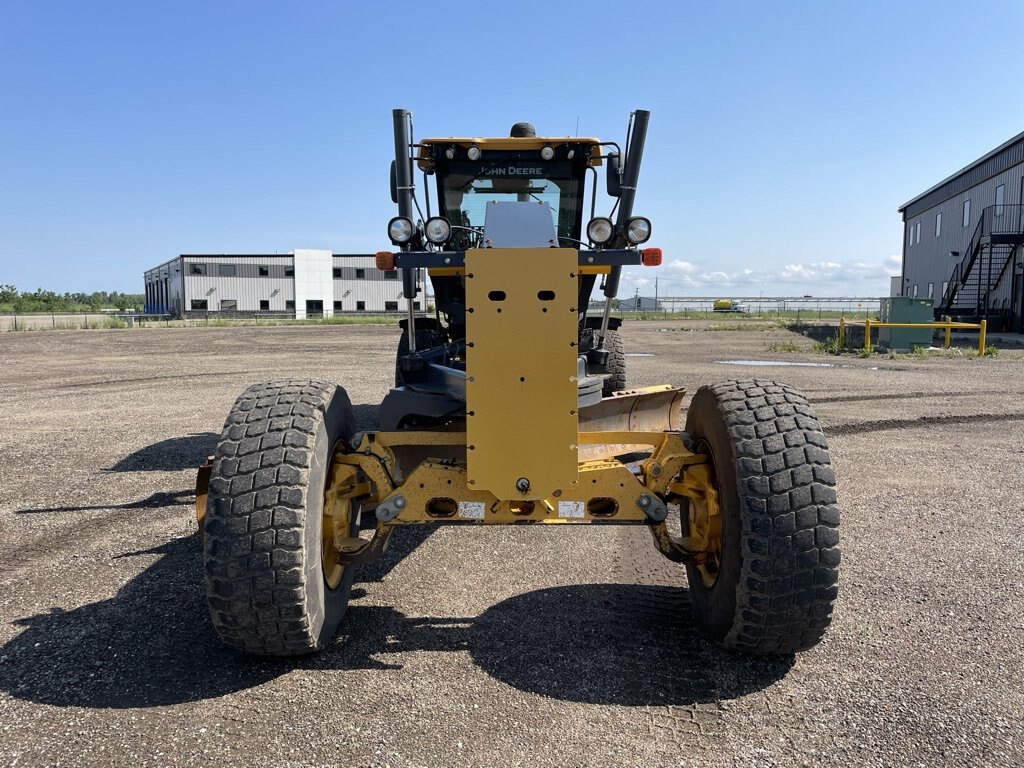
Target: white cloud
818 278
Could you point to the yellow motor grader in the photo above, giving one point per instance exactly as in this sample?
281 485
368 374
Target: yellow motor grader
510 408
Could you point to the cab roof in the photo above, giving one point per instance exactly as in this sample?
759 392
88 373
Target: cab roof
508 143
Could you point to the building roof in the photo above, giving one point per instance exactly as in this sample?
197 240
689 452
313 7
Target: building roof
985 167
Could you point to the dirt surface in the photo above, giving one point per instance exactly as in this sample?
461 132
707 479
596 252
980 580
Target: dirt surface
494 647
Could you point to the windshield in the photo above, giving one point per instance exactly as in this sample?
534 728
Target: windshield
466 187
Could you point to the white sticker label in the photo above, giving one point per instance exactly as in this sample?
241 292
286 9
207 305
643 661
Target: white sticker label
570 509
471 510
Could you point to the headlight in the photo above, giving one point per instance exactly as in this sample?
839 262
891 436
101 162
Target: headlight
473 153
547 153
438 230
638 230
400 230
600 230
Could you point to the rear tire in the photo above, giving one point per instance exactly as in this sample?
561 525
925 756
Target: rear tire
426 338
616 379
777 580
264 576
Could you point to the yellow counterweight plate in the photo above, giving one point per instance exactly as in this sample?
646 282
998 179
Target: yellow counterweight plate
521 333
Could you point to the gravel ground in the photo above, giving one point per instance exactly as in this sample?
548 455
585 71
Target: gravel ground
493 647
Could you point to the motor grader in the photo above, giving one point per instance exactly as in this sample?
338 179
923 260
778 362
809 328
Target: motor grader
510 408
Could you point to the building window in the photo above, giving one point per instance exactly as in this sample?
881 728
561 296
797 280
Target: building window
390 306
229 305
336 272
360 274
264 305
1000 199
931 290
914 292
938 223
264 271
360 306
945 286
198 303
917 239
967 213
197 269
415 305
289 271
337 306
289 305
391 274
226 270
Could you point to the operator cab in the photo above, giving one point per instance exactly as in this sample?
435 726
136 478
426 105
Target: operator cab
471 172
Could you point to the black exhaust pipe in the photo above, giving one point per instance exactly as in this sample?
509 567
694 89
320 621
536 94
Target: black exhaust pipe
403 177
630 176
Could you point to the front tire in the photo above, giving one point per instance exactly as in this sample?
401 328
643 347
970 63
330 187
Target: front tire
265 580
777 578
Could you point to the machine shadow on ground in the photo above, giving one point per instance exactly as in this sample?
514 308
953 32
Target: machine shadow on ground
597 643
616 644
190 451
171 455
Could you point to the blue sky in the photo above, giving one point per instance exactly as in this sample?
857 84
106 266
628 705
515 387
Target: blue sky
783 136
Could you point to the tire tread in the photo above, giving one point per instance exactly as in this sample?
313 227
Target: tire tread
254 531
789 518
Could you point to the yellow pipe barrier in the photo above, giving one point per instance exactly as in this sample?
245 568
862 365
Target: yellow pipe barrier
947 323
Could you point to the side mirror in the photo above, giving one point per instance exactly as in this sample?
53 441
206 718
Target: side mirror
614 181
394 182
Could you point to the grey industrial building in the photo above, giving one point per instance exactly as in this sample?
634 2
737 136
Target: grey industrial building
962 240
304 283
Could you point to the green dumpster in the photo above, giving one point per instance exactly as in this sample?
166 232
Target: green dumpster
903 309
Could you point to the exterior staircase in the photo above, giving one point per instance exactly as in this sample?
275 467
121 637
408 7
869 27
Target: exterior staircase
1000 230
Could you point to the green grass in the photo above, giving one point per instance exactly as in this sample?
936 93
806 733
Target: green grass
803 315
785 346
230 322
829 346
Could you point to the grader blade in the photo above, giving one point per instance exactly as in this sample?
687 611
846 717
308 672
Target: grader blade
651 409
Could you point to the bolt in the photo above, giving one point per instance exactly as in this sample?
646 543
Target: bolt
556 493
523 485
644 501
399 502
656 470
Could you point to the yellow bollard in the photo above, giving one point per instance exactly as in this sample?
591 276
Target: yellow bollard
949 329
842 333
867 334
981 338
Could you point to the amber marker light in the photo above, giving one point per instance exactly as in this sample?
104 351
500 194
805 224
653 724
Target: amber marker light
651 257
386 261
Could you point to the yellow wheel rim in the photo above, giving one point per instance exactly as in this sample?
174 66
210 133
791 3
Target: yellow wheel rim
337 523
697 493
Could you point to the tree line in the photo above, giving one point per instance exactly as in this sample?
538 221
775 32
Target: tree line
13 300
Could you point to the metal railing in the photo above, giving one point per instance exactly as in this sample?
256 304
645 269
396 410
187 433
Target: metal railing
947 323
1001 224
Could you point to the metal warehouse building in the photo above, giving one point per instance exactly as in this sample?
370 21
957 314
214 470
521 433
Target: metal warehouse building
306 283
962 242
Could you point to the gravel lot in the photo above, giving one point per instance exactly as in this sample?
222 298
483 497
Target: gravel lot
496 647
